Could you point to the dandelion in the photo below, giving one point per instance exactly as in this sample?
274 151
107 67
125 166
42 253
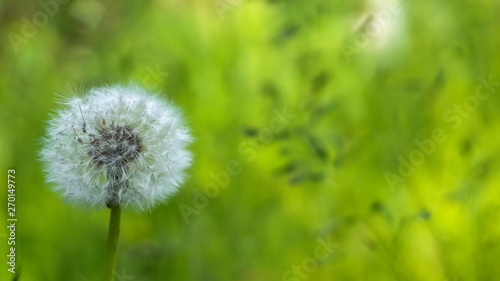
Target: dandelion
116 147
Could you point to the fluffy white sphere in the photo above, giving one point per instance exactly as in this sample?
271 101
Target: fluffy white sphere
116 145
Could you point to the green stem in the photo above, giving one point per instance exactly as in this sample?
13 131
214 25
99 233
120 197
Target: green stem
112 247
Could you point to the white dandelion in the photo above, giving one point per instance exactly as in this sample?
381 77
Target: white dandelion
116 145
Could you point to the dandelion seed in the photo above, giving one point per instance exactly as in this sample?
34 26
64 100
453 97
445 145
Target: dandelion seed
104 135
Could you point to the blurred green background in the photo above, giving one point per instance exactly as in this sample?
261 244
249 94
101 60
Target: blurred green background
365 82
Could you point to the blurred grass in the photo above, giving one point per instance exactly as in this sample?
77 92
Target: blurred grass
323 176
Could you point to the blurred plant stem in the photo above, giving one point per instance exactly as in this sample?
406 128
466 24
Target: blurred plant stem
389 251
112 247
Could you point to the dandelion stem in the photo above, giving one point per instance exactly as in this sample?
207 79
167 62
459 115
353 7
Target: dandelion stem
112 247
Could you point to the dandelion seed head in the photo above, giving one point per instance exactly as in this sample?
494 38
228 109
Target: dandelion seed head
116 145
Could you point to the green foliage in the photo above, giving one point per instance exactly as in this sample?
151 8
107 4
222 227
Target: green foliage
360 99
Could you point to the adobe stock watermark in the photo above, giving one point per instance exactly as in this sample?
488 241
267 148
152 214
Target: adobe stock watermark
372 29
310 264
224 6
154 77
119 276
48 9
222 178
454 116
122 276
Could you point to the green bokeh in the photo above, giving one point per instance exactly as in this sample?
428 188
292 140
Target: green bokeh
365 83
